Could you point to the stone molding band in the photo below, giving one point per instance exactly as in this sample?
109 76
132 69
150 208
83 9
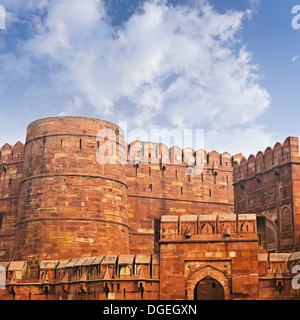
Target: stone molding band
72 219
175 199
66 134
42 176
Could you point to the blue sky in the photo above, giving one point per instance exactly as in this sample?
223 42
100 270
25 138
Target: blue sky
230 67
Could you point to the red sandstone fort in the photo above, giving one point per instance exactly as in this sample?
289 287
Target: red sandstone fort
72 228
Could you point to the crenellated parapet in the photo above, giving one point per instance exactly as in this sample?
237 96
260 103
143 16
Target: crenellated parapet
144 152
11 154
100 277
207 227
11 164
280 154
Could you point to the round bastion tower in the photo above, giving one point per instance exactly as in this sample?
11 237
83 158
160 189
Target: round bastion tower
71 204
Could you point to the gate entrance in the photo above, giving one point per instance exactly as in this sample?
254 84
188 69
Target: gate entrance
209 289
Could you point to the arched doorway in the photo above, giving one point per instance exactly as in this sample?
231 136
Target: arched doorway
205 273
209 289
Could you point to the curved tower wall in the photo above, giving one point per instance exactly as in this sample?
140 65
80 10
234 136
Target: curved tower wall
11 166
70 205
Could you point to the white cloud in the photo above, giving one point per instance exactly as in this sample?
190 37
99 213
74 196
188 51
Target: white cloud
13 68
255 4
26 12
173 66
242 140
178 62
295 59
21 7
12 128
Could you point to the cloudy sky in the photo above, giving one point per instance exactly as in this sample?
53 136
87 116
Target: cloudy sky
230 67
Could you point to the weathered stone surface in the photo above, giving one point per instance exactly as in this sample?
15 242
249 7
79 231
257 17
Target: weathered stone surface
150 224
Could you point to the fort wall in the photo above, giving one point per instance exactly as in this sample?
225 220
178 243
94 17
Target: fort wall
191 262
164 181
149 222
62 178
268 184
11 168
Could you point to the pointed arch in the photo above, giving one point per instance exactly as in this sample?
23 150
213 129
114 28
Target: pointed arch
207 228
271 235
286 219
209 289
203 272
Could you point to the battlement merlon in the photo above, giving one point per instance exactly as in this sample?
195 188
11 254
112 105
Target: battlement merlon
279 155
11 154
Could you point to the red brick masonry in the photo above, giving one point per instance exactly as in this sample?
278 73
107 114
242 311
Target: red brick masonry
158 224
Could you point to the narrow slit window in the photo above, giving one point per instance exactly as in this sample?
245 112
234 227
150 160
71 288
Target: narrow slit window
2 214
163 170
136 169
